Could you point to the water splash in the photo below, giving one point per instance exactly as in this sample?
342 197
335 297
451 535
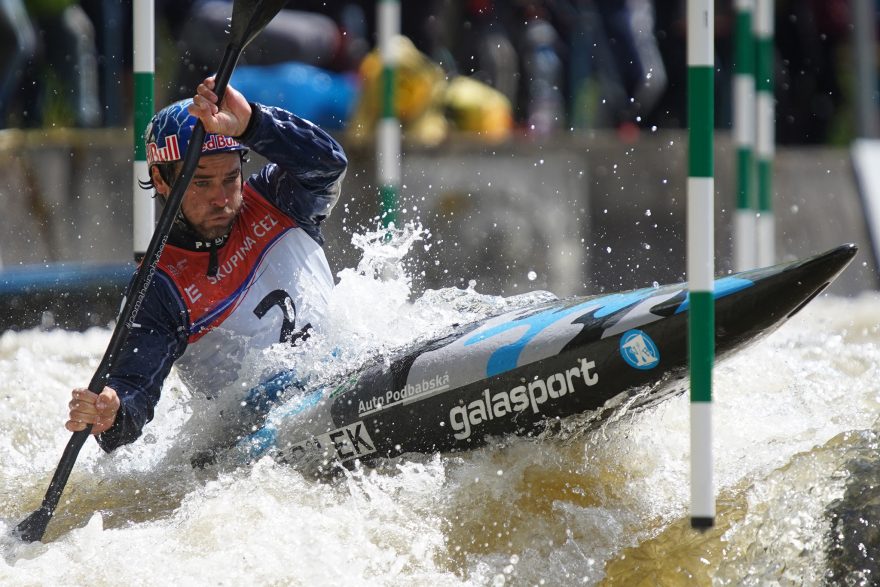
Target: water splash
568 507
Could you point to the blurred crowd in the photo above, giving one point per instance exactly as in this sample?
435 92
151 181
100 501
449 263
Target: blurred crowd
489 66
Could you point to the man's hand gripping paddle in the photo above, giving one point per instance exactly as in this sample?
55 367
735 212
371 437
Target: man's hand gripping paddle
249 17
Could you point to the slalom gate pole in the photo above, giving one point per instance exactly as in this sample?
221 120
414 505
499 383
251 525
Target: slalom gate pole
745 255
388 132
765 131
701 252
143 205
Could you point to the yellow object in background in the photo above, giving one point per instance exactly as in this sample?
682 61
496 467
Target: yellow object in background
476 107
428 104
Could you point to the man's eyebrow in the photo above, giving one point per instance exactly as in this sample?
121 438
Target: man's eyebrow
209 176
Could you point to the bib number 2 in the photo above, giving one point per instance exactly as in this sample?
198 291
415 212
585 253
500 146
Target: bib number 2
282 299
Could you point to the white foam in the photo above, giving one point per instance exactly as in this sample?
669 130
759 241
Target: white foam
553 509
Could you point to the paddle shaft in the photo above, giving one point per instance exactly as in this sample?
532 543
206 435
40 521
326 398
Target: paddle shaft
160 235
33 527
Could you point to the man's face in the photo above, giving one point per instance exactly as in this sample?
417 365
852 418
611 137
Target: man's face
213 197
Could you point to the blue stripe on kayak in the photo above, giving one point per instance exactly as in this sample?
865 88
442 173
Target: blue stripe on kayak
259 442
264 396
506 357
299 404
723 287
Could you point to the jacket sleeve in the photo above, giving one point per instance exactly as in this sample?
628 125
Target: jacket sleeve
157 338
306 166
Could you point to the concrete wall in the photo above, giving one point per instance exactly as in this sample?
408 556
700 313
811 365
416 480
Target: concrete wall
65 196
585 214
590 214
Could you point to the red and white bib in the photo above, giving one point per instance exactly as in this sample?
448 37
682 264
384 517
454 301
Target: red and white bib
272 280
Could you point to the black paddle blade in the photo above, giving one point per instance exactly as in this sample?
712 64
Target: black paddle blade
249 17
32 528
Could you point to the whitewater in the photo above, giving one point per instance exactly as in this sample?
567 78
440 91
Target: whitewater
796 468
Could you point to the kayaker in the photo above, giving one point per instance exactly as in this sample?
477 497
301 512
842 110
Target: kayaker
243 267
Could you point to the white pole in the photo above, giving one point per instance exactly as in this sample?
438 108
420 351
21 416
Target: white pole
143 206
701 252
744 233
765 132
388 134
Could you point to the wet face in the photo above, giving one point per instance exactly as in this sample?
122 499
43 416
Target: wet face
213 198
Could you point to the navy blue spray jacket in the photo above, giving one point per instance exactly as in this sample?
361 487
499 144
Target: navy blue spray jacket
188 318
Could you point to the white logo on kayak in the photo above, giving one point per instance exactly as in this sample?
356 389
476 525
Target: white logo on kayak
420 390
348 442
533 395
638 350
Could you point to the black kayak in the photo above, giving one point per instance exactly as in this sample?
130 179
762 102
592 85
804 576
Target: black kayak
514 372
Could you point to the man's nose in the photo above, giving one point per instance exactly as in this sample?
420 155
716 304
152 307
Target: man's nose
219 197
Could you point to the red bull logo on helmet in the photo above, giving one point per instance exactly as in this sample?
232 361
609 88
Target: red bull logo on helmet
171 150
219 143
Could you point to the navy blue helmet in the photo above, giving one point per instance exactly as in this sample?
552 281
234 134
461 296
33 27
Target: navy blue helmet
169 131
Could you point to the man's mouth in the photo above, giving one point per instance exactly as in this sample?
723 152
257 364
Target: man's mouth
221 217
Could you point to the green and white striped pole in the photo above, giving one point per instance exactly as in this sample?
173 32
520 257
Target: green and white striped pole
700 252
765 131
745 254
143 206
388 133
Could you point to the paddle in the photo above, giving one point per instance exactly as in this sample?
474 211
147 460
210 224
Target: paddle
249 17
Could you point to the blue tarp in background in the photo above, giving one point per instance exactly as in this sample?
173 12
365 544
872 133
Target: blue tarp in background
328 99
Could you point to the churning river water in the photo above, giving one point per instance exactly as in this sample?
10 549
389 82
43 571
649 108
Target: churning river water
796 467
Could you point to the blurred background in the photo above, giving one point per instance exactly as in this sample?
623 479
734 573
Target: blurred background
543 143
